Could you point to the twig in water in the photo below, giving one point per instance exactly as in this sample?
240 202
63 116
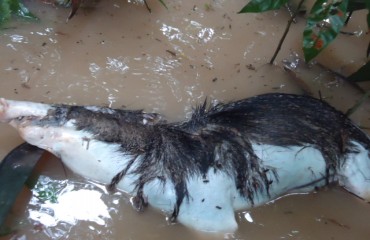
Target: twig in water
286 31
147 6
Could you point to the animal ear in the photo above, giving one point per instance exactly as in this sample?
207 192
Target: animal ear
152 118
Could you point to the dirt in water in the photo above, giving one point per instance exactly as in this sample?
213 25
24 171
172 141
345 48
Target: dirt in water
117 54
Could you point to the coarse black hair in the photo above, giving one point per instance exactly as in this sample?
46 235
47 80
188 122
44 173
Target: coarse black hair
219 138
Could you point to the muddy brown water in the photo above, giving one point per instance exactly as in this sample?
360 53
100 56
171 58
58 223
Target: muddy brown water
118 54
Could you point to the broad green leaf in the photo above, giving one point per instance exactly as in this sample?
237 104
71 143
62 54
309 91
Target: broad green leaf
262 5
362 74
354 5
15 168
323 25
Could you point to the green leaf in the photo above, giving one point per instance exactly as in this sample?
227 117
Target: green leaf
20 10
262 5
4 11
354 5
15 168
362 74
323 25
9 7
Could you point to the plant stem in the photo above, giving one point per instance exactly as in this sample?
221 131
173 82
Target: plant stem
348 18
286 31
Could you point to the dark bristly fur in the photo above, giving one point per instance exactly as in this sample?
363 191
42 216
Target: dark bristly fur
221 137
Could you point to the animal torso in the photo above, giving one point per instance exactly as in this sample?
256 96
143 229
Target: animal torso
225 158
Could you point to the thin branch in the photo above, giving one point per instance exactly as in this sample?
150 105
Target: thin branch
147 6
286 31
348 18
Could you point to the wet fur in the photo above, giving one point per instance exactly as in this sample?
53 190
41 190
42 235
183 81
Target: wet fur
219 138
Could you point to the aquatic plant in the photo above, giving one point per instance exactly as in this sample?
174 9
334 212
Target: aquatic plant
324 23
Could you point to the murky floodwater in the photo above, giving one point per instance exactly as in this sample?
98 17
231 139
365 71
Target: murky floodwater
118 54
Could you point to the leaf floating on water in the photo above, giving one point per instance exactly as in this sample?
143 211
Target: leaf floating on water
323 25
